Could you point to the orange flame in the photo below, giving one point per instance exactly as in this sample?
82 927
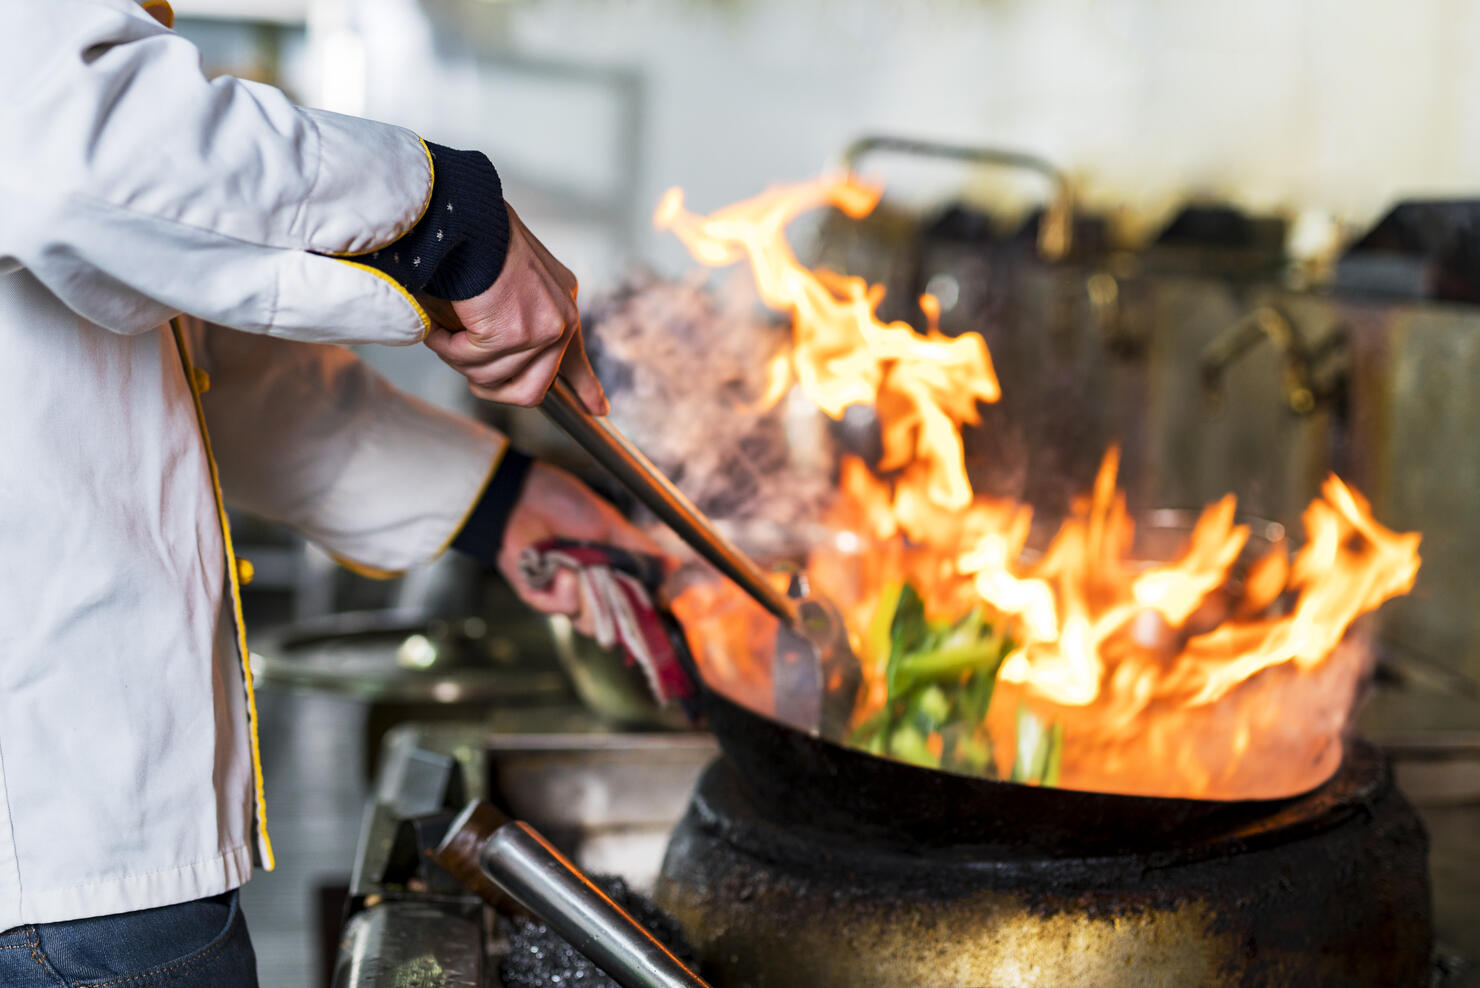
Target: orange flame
1193 676
842 353
778 382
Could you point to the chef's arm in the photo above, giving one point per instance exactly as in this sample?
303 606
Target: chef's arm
308 435
144 189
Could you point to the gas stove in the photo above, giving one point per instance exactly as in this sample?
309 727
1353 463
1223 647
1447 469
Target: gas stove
777 904
1343 867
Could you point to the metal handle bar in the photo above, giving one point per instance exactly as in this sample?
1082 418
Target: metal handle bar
1057 231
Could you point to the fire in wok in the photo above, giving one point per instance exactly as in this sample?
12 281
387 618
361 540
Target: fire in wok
1219 667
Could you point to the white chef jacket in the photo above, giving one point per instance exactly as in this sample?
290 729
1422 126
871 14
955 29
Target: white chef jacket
165 295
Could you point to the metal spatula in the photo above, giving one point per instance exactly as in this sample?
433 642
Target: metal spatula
815 675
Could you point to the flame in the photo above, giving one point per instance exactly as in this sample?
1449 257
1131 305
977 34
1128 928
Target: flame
842 354
1203 674
778 382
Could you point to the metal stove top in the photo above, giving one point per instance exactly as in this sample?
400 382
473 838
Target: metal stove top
609 799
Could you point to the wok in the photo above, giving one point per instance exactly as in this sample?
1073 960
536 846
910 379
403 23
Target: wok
800 779
806 780
798 776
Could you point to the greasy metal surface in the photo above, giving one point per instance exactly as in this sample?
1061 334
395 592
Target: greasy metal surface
1309 377
896 926
608 799
594 781
1434 744
1332 892
412 945
724 804
609 806
1415 415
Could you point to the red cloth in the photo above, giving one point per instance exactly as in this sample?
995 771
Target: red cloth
617 588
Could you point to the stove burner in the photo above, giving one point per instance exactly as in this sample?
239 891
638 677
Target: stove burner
1328 888
1420 249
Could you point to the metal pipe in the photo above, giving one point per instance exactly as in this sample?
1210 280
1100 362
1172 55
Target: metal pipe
1056 233
540 878
637 474
1265 322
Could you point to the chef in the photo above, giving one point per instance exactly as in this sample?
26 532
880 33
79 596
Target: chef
178 258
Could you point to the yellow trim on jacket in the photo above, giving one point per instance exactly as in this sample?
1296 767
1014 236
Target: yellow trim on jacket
372 573
232 572
426 320
426 203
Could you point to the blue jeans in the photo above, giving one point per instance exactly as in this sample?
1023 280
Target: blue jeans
200 944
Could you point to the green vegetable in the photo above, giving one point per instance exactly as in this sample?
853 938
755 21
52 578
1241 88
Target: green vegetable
976 696
908 632
948 663
939 678
908 744
880 629
1039 749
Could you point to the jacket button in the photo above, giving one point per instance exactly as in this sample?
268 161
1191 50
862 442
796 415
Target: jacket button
244 571
201 379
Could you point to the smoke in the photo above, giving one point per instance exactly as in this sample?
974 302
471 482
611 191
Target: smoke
685 366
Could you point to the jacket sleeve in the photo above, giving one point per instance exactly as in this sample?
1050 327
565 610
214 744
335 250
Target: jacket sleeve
134 188
308 435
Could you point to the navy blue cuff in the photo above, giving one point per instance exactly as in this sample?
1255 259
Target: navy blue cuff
457 249
482 535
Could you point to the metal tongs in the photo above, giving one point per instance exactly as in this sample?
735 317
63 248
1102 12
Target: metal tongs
815 675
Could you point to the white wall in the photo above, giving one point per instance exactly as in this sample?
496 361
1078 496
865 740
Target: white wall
1333 105
1327 107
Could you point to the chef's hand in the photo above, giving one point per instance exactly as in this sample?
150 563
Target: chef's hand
512 340
556 505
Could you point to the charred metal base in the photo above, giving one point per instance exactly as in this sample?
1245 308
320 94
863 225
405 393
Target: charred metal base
1327 889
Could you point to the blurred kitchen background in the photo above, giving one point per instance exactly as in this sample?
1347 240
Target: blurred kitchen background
1245 243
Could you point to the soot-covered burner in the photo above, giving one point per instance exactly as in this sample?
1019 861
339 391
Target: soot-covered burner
1328 889
1427 249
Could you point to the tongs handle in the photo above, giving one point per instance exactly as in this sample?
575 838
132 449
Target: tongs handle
637 474
482 845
